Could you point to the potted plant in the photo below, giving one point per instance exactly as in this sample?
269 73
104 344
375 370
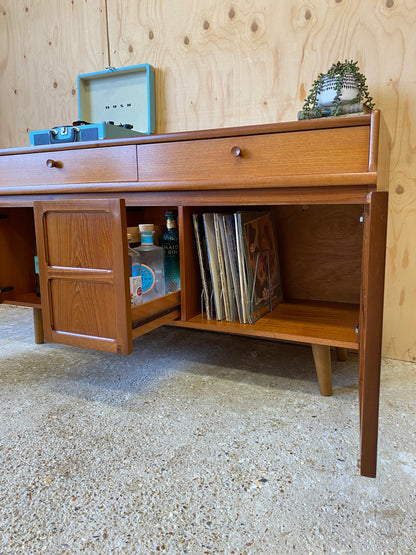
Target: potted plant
342 89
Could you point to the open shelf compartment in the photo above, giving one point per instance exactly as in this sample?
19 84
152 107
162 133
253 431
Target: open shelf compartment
324 323
320 250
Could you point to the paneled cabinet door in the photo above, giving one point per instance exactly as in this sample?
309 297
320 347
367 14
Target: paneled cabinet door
82 250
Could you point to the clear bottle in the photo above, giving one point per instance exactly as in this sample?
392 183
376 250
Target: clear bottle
36 270
135 274
153 273
170 245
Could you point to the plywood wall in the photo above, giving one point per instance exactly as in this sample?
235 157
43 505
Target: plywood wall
222 63
44 45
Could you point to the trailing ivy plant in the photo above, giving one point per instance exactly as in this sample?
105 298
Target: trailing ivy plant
337 73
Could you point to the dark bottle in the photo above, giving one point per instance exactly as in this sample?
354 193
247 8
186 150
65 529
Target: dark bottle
170 245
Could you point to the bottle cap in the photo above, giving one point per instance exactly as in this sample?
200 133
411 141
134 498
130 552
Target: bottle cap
146 227
171 213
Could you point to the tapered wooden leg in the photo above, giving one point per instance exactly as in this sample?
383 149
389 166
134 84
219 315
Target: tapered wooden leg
322 359
342 354
38 325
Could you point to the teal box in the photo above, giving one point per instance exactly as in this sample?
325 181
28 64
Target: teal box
112 104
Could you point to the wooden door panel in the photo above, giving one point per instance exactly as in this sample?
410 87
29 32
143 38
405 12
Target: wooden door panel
82 249
80 319
371 326
75 251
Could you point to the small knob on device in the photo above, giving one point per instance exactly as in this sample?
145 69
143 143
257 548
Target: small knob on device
236 151
53 163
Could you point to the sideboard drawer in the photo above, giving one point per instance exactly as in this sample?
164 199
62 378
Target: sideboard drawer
256 157
60 167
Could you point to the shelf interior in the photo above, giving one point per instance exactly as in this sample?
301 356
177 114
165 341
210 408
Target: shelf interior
324 323
22 299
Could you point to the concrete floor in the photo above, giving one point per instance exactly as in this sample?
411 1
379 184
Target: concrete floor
196 443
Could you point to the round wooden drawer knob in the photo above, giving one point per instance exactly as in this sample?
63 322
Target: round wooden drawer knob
236 151
53 163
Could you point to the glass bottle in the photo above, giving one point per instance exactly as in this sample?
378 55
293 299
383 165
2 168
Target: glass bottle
135 274
170 245
36 269
153 273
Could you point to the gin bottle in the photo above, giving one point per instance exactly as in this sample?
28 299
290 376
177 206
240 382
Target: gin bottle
170 245
135 277
153 274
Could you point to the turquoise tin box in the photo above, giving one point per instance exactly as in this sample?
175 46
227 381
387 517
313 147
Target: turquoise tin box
112 104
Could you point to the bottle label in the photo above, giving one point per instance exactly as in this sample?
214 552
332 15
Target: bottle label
136 289
171 249
36 265
147 238
135 269
148 278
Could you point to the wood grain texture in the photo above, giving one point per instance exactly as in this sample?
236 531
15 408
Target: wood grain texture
38 326
320 252
220 64
321 151
320 323
253 61
43 48
17 237
322 359
370 326
117 163
84 286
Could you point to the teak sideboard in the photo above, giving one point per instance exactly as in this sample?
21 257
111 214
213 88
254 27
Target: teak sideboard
324 180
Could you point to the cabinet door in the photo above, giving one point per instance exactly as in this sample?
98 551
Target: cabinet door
82 251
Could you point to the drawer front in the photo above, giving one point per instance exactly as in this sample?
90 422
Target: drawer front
95 165
256 157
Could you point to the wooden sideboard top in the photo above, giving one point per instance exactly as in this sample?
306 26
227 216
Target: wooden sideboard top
313 156
283 127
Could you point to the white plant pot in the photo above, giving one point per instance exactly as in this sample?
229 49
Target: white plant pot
329 90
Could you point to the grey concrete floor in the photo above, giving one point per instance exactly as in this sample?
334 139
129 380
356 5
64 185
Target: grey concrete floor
196 443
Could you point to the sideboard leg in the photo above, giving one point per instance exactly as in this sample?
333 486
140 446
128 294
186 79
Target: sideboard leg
322 359
38 325
342 354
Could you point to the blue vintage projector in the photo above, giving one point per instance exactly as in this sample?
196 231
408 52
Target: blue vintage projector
118 103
